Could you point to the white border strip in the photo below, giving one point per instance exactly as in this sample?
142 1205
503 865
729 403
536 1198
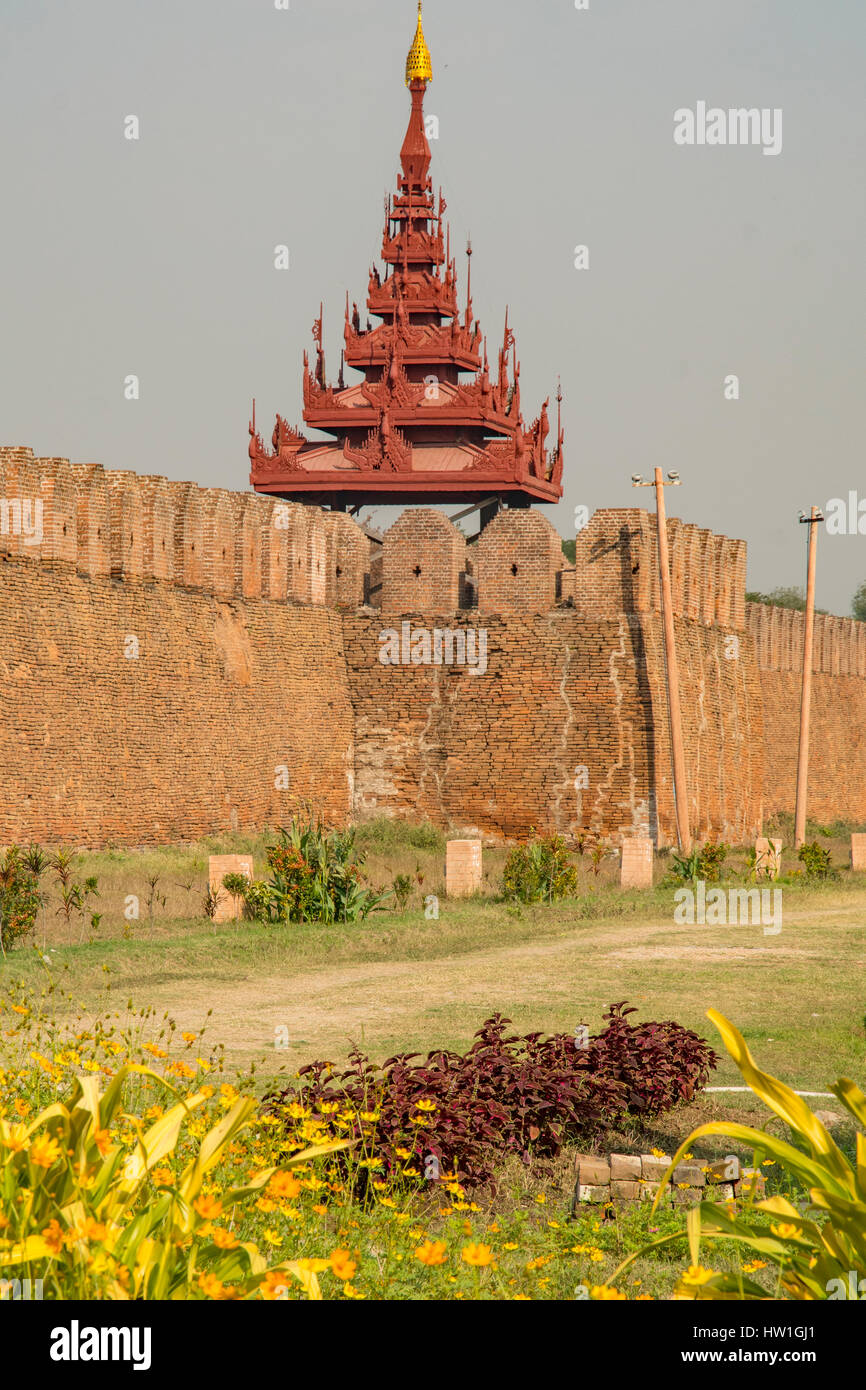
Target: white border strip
744 1090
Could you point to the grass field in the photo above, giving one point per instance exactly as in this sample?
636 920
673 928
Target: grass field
400 982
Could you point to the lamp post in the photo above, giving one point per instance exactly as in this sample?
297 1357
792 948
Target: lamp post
684 834
811 521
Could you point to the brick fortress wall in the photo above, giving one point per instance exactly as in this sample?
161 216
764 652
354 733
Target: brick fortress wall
169 667
837 743
257 652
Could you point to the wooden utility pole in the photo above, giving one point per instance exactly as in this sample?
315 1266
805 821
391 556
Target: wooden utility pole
681 795
806 699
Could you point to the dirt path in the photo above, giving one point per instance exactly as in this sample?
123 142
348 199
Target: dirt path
323 1010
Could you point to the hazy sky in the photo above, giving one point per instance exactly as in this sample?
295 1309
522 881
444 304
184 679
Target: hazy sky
261 127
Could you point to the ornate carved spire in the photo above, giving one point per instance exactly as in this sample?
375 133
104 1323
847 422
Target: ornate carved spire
419 64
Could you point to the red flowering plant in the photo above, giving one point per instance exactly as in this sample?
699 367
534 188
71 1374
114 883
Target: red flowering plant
458 1115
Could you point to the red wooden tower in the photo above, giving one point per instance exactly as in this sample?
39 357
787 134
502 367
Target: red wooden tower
412 431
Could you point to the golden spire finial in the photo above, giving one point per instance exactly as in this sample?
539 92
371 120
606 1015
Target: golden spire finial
419 64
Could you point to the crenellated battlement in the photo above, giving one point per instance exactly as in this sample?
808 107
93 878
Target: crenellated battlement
838 648
103 522
617 570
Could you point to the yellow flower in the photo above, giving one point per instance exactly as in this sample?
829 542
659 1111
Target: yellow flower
541 1199
342 1265
265 1204
273 1238
403 1153
432 1252
154 1050
15 1138
658 1153
785 1230
754 1266
477 1255
44 1152
387 1202
320 1209
521 1298
369 1116
696 1275
162 1177
605 1294
511 1245
189 1037
349 1291
427 1105
208 1208
22 1108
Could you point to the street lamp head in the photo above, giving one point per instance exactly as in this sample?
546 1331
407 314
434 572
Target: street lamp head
636 479
674 477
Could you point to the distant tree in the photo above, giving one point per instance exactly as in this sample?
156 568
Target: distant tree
569 551
790 597
858 604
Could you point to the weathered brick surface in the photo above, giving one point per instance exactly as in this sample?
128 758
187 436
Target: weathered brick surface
516 560
423 557
463 868
256 653
499 751
228 907
184 741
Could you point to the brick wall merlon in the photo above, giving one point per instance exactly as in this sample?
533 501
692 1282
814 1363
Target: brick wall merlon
423 557
517 559
838 649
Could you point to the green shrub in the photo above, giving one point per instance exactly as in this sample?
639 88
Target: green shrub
402 890
316 876
540 871
20 899
816 861
702 864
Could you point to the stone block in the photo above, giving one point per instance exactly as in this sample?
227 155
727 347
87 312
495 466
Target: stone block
858 853
463 868
636 868
625 1168
753 1185
687 1196
594 1172
589 1192
229 909
690 1173
724 1170
628 1191
768 858
652 1168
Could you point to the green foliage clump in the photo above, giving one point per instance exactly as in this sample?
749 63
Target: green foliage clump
858 604
316 876
817 862
20 899
702 864
540 872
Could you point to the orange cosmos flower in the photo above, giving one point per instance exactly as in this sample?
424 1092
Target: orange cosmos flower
208 1208
477 1255
284 1186
342 1265
432 1252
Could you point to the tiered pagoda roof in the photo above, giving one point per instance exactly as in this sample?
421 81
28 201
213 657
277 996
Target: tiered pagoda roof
411 430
